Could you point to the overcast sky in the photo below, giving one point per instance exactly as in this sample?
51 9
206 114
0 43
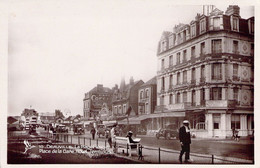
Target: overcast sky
59 51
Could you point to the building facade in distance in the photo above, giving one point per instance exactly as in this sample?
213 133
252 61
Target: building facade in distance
124 97
206 74
94 101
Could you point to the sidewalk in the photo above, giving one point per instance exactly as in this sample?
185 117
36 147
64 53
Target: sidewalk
169 156
243 140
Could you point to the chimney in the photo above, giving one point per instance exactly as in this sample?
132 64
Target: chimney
99 87
197 18
131 81
233 10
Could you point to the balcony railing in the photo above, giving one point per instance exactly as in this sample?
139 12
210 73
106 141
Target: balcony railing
179 106
236 78
202 79
235 51
216 77
160 108
221 103
193 81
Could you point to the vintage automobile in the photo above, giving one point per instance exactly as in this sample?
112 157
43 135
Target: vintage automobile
78 129
62 129
102 130
170 131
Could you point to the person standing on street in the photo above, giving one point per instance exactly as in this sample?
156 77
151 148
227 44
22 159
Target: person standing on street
93 132
185 139
113 134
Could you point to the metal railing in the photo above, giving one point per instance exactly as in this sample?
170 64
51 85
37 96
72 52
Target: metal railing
149 154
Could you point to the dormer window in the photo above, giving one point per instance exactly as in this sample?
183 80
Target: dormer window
163 45
216 23
202 26
251 26
234 23
193 30
170 41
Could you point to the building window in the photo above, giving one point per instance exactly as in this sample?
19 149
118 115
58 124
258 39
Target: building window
202 73
163 83
179 38
184 55
162 101
216 23
216 71
170 61
193 51
146 108
235 72
124 108
216 121
202 26
147 93
235 24
184 77
202 48
171 99
193 30
202 97
217 46
163 46
235 121
178 98
215 93
141 94
170 41
251 26
193 98
184 36
184 96
171 82
235 94
162 64
193 75
252 49
178 78
178 59
235 47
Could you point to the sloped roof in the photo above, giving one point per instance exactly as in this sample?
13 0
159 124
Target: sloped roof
105 89
152 81
11 120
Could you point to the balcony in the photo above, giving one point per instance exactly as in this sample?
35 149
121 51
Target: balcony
216 77
193 82
236 78
179 106
202 79
235 52
221 103
160 108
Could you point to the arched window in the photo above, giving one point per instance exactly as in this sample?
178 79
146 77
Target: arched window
141 94
147 93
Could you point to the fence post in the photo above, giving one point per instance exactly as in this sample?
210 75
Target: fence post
212 158
97 142
159 155
89 141
105 143
79 140
84 140
127 149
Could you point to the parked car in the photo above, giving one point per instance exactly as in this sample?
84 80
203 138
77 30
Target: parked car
102 130
78 129
171 131
62 129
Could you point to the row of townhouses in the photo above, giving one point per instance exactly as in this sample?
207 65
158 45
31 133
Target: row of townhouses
205 74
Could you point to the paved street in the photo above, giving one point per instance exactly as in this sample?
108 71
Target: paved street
219 147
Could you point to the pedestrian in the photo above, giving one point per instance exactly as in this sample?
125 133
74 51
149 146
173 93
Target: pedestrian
109 139
236 135
93 132
233 132
113 134
185 140
129 136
